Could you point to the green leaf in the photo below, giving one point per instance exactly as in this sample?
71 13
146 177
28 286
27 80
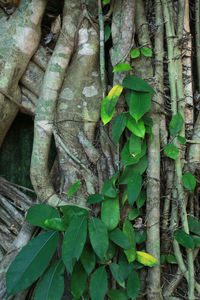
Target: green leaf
98 284
71 211
118 126
189 182
74 241
109 102
133 213
184 239
110 252
31 262
125 266
196 240
130 234
181 139
115 270
133 285
88 259
141 199
176 124
58 224
98 237
139 168
135 53
110 213
171 259
38 213
171 151
117 295
139 104
134 187
51 284
194 225
146 259
95 198
137 128
140 237
162 259
146 52
78 281
109 189
147 121
106 2
119 238
134 144
107 33
122 67
137 84
73 188
127 158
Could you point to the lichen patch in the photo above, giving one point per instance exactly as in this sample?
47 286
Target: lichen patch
89 91
86 50
26 39
67 94
83 36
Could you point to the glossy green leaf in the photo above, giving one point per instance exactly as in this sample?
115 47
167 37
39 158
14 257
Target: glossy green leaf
134 187
73 189
109 102
78 281
146 259
196 240
58 224
133 285
162 259
88 259
31 262
129 171
38 213
110 213
134 144
171 259
71 211
189 182
146 51
135 53
110 252
117 295
171 151
127 158
141 199
106 2
95 198
140 237
51 284
98 284
109 189
184 239
176 124
119 238
118 126
139 104
107 33
98 236
137 128
74 241
137 84
181 139
129 231
122 67
194 225
125 267
115 270
133 213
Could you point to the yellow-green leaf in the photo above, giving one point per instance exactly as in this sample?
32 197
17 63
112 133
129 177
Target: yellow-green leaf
146 259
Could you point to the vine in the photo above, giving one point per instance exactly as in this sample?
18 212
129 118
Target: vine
101 255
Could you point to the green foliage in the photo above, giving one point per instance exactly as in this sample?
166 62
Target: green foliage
31 262
135 53
107 32
171 259
146 51
171 151
194 225
89 241
98 284
189 182
184 239
176 124
122 67
73 188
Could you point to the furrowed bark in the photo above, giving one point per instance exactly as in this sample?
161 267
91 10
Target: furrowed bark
17 45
